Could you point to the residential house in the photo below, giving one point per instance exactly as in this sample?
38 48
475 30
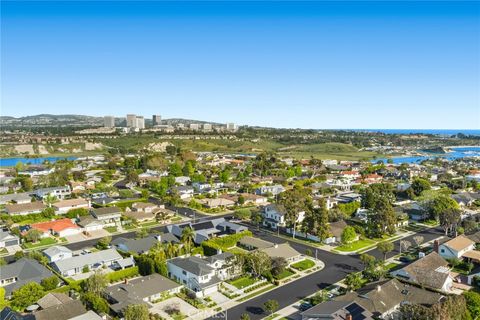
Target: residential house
57 253
92 261
274 190
274 216
143 290
89 224
383 298
336 230
184 192
337 310
200 275
23 209
8 240
347 197
217 203
65 205
456 248
57 192
284 251
110 216
59 306
19 198
61 228
431 271
206 229
23 271
36 171
252 243
138 246
182 180
465 199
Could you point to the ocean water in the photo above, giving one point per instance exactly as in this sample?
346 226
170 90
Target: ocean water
441 132
11 162
457 153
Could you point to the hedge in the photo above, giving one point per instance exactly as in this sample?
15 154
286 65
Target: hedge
122 274
211 246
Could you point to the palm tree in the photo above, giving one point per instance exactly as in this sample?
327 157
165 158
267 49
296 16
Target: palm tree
187 237
171 250
50 199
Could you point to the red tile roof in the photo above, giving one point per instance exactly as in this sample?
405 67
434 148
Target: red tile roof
57 225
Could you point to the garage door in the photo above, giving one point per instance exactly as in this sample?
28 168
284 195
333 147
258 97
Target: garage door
11 243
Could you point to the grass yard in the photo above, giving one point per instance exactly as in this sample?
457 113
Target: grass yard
111 229
303 265
42 242
130 226
149 224
242 282
356 245
284 274
236 250
256 293
391 266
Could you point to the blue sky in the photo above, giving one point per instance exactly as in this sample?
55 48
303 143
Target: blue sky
281 64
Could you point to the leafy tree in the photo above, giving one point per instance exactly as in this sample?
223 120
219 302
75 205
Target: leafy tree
257 218
404 245
104 242
270 306
95 302
18 255
96 283
33 235
243 213
353 281
348 234
2 262
78 212
278 265
175 169
50 283
368 260
27 295
348 209
385 247
440 204
473 303
377 192
382 220
419 185
316 221
319 297
171 150
141 233
258 262
449 219
137 312
294 201
418 240
245 316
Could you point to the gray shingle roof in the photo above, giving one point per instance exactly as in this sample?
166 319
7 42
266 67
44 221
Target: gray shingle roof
87 259
194 265
25 270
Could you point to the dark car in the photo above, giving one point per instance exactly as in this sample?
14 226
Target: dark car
404 259
305 306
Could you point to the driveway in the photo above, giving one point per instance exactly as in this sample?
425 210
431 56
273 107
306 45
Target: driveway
185 308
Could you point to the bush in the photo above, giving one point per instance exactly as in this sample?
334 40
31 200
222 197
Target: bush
79 212
211 246
122 274
50 283
95 302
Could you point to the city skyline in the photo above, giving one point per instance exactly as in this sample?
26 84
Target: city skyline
321 65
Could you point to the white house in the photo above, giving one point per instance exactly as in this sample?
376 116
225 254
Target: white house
274 216
58 192
182 180
7 239
200 275
456 247
274 190
65 205
57 253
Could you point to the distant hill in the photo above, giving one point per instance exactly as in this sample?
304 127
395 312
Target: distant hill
75 120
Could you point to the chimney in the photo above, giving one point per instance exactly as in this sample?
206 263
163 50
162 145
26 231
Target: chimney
348 317
436 245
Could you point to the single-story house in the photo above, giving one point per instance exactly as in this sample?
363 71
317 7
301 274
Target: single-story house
65 205
283 250
217 203
59 306
22 209
8 240
336 230
16 274
61 227
93 261
18 198
337 310
57 253
89 224
456 248
431 271
139 291
252 243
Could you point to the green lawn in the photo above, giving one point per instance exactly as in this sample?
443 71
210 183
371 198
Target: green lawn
284 274
149 224
129 227
356 245
242 282
256 293
42 242
391 266
111 229
236 250
303 265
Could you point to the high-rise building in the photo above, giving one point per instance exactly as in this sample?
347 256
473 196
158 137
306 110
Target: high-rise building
131 120
140 122
156 120
231 126
194 126
109 122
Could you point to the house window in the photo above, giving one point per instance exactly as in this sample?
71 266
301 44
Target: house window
184 272
443 250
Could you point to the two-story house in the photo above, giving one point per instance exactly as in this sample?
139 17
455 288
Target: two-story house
57 192
109 216
274 216
200 275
